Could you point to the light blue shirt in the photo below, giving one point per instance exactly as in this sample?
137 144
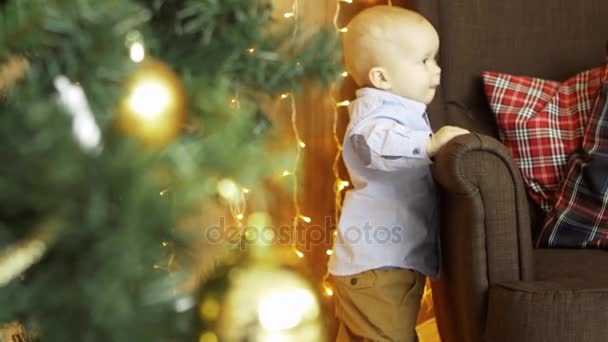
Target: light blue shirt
389 218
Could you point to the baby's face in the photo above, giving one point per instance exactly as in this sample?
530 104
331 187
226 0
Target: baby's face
411 62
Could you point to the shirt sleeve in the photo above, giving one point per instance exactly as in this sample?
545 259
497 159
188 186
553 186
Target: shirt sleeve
386 144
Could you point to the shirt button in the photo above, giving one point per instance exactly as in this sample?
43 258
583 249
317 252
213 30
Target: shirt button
353 281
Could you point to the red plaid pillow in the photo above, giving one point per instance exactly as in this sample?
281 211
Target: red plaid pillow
580 217
541 122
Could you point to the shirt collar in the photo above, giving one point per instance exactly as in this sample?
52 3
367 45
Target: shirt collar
385 96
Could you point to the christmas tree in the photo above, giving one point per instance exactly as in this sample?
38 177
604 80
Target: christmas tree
117 118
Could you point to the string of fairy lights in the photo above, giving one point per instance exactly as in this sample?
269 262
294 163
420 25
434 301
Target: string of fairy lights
298 215
235 194
339 184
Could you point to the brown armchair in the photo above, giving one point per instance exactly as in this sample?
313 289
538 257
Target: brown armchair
494 285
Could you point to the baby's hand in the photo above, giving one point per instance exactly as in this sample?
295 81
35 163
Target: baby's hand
443 135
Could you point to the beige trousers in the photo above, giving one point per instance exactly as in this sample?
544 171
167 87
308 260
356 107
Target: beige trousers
378 305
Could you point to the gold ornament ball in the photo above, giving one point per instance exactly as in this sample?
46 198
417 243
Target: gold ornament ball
155 107
254 297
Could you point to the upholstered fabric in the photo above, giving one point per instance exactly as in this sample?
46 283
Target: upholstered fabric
546 311
551 40
542 122
485 232
486 219
571 266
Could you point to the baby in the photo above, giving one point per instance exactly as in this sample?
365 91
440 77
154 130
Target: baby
386 240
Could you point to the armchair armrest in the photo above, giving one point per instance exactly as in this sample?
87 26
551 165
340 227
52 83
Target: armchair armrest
485 230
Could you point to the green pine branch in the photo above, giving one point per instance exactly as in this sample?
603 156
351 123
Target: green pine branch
97 281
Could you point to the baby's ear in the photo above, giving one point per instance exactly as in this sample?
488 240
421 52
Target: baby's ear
378 77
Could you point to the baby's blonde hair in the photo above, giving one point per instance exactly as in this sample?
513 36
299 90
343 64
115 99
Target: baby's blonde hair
366 31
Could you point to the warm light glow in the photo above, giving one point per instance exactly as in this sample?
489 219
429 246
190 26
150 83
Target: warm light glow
282 311
239 216
163 192
347 1
228 189
245 190
252 50
208 337
150 98
301 144
234 102
259 220
289 15
305 218
155 106
165 243
210 309
342 185
137 52
335 165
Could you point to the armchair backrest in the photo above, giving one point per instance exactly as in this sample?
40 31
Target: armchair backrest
552 39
